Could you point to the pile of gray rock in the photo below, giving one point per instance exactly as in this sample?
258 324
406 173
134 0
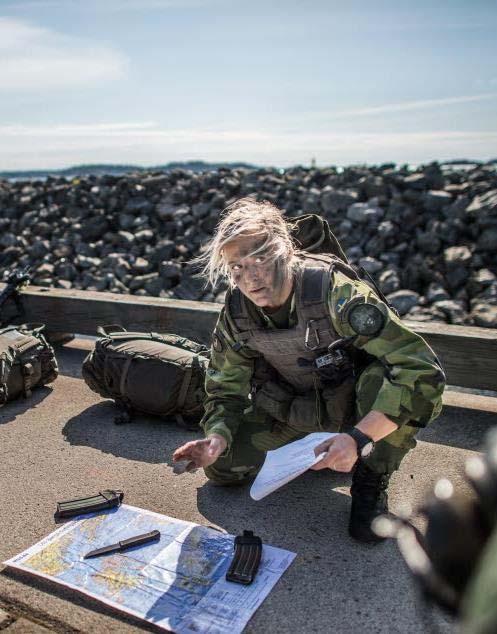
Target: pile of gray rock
428 237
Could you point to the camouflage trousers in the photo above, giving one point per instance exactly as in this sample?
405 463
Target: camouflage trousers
259 433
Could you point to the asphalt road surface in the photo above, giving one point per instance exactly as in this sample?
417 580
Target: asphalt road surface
63 444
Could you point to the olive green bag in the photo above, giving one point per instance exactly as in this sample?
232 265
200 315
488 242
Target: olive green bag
26 361
312 233
160 374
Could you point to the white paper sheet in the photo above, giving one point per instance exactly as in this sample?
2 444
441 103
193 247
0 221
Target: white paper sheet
286 463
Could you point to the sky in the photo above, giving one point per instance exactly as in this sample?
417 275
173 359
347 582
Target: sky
275 83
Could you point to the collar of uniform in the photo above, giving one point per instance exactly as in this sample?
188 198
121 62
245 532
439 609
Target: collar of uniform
291 317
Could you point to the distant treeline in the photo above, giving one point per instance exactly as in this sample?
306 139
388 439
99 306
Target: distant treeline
194 166
100 169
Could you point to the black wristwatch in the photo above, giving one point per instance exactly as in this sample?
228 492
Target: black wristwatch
365 445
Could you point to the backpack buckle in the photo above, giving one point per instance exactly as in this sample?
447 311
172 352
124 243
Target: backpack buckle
311 327
27 373
3 393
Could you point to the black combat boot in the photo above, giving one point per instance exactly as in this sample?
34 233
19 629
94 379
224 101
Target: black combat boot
369 499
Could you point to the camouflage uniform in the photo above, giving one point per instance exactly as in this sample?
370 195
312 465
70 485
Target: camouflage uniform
402 378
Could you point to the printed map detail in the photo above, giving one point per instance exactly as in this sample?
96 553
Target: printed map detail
177 583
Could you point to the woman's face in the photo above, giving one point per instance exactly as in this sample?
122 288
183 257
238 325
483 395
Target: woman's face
256 275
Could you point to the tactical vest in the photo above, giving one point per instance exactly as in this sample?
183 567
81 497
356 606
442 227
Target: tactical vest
293 352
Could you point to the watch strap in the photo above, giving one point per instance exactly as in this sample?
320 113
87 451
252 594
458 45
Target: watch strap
361 439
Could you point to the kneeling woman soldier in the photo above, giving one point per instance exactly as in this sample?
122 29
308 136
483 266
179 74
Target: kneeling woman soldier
303 345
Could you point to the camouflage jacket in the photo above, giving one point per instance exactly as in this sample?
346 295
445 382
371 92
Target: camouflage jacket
407 382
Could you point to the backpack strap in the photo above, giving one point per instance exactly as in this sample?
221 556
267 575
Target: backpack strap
180 402
315 285
123 336
109 329
34 328
173 340
369 280
122 382
236 305
27 375
311 294
359 274
239 316
4 393
187 377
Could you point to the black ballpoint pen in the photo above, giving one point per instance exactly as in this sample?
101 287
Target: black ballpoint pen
138 540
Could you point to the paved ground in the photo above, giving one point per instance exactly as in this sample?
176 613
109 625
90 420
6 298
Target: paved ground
63 444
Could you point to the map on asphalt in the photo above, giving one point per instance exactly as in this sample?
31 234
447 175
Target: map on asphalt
177 583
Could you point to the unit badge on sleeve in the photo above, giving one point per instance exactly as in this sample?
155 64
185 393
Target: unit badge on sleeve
366 319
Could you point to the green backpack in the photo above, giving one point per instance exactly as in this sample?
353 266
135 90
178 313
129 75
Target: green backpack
160 374
26 361
312 233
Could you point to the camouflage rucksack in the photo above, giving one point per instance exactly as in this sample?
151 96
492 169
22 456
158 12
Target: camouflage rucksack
26 361
312 233
161 374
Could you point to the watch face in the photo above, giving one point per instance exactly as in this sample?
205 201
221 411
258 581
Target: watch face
367 449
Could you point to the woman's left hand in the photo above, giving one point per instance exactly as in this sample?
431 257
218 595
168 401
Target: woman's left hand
341 454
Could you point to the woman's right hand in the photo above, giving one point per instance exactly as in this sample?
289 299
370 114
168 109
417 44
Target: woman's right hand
201 453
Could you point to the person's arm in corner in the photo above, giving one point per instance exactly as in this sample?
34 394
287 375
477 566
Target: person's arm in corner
406 378
227 386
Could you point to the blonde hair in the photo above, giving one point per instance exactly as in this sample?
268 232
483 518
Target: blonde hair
248 217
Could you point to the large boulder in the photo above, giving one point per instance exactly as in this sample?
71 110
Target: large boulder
363 213
485 315
436 200
430 235
403 300
333 201
454 310
488 240
389 281
371 265
483 207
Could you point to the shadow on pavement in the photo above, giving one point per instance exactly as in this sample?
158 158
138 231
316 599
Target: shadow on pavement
310 502
13 409
200 558
70 360
146 438
455 427
83 601
459 427
309 516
